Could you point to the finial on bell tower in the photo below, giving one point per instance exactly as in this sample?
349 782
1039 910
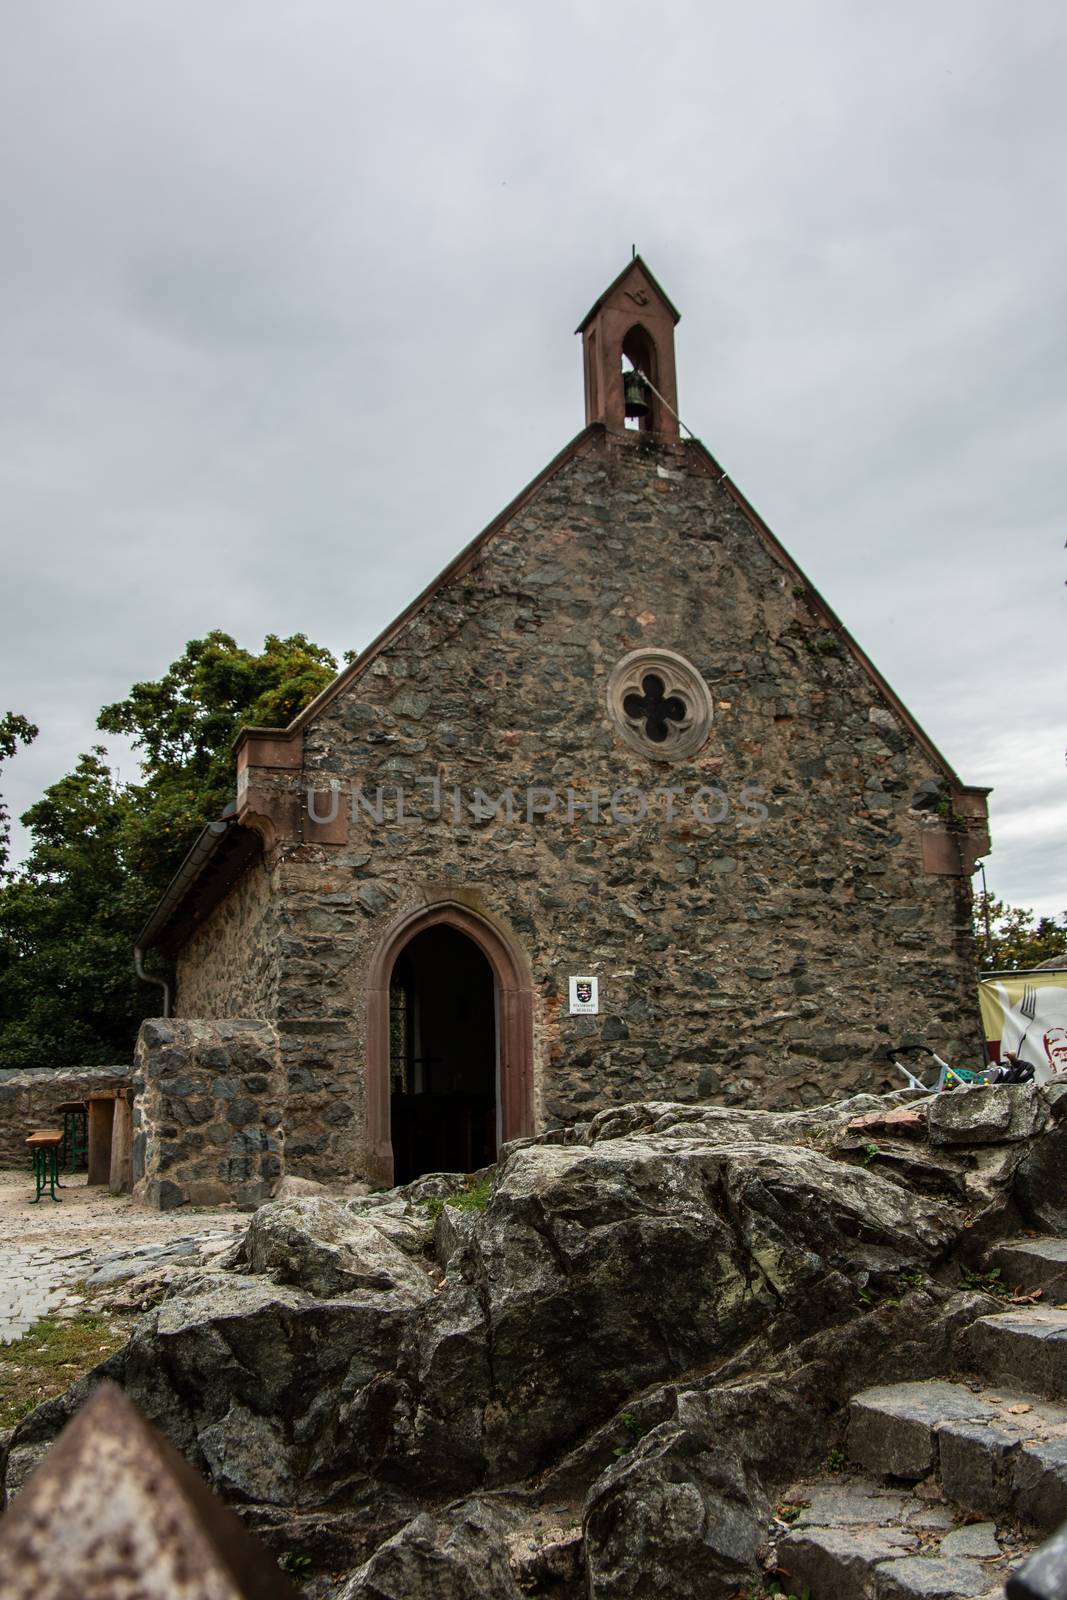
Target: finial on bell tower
628 351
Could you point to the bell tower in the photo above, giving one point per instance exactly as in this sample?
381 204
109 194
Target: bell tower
628 355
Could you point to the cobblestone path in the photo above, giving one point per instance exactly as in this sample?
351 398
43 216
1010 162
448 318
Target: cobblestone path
95 1239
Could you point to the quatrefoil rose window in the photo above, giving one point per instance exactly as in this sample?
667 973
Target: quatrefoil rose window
660 704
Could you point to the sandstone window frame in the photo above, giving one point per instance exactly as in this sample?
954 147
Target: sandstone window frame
684 736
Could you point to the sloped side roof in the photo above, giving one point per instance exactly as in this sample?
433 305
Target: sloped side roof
455 569
834 621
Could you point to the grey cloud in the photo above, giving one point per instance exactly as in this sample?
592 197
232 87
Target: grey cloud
288 290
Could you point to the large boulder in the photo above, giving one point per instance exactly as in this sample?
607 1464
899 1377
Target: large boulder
686 1471
677 1517
329 1249
996 1114
657 1317
460 1556
248 1378
596 1270
730 1124
1039 1187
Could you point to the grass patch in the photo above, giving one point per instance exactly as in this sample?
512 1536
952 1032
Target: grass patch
48 1358
474 1196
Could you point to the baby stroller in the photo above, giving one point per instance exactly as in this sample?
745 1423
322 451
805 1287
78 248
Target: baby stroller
1010 1070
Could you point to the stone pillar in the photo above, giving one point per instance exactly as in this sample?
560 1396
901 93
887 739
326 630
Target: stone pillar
209 1115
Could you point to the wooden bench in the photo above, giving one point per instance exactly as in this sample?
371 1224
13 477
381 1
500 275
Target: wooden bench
44 1146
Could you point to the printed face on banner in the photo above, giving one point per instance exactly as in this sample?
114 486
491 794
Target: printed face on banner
585 1000
1055 1047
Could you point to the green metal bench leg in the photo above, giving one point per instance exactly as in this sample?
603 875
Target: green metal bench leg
46 1172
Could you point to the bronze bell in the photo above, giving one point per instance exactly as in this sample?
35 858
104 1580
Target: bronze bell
635 395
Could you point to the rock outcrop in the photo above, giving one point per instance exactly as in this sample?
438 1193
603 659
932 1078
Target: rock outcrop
594 1374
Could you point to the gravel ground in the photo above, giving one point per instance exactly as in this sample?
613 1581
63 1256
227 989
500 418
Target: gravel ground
46 1249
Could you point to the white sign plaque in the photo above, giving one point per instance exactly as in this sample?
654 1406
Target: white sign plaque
585 997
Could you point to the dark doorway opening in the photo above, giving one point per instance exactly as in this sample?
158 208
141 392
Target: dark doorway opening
442 1056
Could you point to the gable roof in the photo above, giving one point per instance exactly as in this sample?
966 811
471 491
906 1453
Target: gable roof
637 261
185 902
466 558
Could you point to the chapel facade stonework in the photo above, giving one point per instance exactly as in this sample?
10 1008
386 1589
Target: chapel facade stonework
718 809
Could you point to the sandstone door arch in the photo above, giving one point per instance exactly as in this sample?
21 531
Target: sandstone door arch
514 1026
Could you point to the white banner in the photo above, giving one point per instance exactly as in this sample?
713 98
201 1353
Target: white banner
1026 1013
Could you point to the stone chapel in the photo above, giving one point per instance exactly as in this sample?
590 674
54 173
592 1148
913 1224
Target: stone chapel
616 810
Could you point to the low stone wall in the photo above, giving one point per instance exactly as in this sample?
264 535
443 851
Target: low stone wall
28 1100
207 1119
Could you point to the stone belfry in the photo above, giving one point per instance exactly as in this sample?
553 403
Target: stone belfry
628 352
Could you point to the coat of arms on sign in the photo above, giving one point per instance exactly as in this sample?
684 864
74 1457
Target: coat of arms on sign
585 999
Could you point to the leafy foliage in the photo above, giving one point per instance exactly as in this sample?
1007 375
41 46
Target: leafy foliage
474 1196
103 852
1016 939
634 1431
66 990
184 724
989 1282
14 730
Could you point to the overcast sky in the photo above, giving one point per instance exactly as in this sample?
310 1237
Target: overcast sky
288 291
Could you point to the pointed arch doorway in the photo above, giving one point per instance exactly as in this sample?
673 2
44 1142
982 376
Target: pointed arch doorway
449 1045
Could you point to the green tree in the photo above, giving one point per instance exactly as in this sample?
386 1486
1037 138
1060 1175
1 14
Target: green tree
67 992
1016 938
183 726
14 730
102 852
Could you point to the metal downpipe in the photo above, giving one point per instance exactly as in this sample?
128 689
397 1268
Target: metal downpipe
147 977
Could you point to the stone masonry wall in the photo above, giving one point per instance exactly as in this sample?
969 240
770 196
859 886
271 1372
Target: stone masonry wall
744 962
208 1114
28 1101
229 967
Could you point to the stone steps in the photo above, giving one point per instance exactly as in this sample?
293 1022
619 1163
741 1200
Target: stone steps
852 1539
1030 1264
995 1450
1027 1347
